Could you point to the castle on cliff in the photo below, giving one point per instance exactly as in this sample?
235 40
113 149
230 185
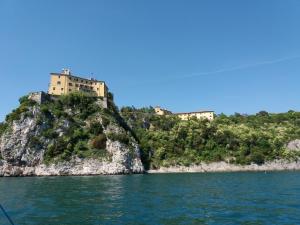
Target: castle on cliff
65 83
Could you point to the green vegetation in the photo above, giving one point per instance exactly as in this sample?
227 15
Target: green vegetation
95 128
25 104
121 137
74 125
241 139
23 109
99 142
3 127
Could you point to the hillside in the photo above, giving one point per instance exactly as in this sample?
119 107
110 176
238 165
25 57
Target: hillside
166 141
72 134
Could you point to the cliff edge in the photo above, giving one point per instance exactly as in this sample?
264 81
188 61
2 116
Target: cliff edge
68 135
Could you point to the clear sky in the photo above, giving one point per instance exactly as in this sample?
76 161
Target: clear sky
228 56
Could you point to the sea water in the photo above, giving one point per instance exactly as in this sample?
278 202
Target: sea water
200 198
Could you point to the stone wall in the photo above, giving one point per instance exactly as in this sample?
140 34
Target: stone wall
102 102
39 96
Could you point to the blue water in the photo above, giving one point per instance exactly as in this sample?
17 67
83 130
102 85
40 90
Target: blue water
214 198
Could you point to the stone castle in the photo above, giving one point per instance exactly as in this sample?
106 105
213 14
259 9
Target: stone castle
65 83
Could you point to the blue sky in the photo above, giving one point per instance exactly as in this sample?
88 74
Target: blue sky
228 56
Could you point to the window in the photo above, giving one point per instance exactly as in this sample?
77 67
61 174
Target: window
81 81
58 83
70 90
76 85
70 84
97 89
62 89
58 77
53 88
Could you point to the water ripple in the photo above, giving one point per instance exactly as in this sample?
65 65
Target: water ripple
214 198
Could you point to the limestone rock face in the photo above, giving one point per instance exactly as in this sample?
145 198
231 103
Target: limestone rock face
125 160
294 145
22 153
16 144
277 165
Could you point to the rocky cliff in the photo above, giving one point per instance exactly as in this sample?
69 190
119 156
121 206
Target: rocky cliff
70 135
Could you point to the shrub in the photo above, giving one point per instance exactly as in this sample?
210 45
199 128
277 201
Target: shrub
56 148
49 153
105 121
257 157
34 142
75 99
16 113
99 142
95 128
262 113
110 96
3 128
78 135
46 111
25 101
49 133
121 137
80 147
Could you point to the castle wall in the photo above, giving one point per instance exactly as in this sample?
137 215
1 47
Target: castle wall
39 97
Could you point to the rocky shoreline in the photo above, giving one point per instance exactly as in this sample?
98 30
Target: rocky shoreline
95 167
72 168
24 146
278 165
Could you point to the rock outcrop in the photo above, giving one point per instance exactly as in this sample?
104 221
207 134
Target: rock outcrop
40 143
15 144
277 165
294 145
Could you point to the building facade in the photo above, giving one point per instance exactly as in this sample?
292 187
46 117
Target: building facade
209 115
65 83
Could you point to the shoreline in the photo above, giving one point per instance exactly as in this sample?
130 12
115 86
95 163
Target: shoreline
96 169
278 165
87 167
